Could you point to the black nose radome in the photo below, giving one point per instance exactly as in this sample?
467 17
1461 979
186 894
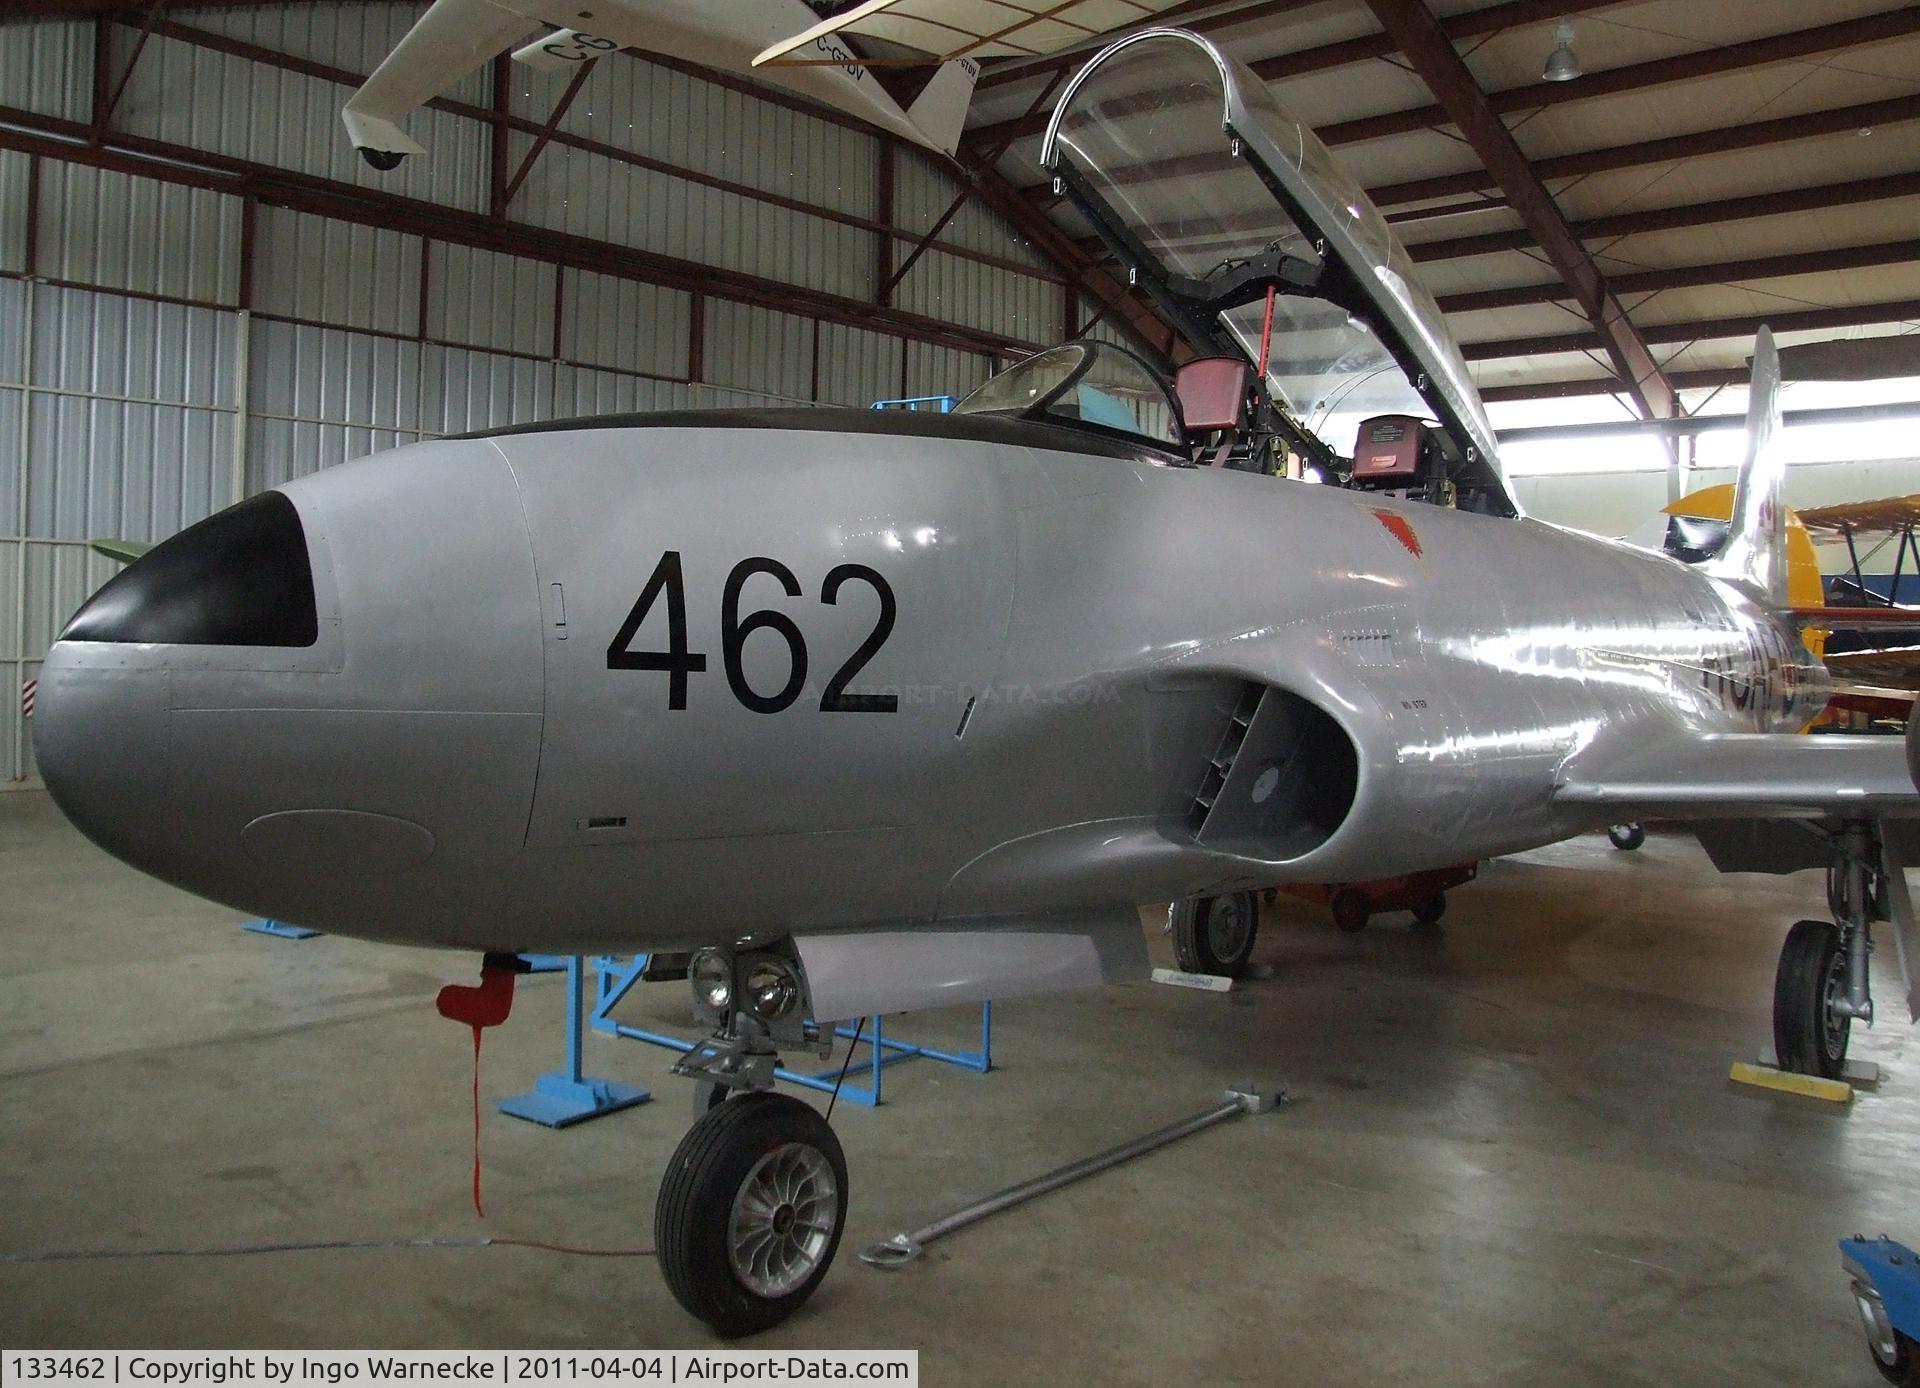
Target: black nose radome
239 578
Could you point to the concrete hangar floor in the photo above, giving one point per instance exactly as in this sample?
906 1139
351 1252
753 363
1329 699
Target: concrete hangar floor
1514 1157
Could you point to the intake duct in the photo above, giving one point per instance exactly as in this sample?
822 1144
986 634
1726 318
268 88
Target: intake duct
1282 781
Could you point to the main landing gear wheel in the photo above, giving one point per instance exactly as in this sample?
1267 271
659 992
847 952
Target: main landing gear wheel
1626 837
1810 1031
1431 910
1215 934
751 1211
1351 909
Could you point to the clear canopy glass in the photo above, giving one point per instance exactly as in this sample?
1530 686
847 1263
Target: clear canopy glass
1093 383
1202 173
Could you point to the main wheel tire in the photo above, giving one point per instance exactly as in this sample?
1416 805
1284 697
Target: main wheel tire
1215 934
1350 909
1809 1035
1432 909
751 1211
1626 837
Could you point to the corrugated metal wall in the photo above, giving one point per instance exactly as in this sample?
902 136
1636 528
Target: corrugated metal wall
170 349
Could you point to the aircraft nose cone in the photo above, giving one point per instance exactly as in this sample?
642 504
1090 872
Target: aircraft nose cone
100 737
241 579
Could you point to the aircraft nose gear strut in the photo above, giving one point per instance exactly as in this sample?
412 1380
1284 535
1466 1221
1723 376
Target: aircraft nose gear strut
755 1197
1822 986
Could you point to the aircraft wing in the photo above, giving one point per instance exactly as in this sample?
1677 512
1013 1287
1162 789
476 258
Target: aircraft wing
1896 667
1733 776
447 42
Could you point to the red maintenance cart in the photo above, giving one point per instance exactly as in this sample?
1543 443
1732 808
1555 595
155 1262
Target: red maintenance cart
1353 903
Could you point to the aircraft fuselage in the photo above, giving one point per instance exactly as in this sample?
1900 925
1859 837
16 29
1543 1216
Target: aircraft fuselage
643 684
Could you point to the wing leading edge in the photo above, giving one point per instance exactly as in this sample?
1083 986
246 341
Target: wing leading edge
1751 776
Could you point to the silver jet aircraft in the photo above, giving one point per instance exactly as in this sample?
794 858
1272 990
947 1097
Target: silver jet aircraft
841 712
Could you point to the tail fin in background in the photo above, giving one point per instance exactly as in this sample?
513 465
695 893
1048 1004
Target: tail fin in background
940 110
1755 554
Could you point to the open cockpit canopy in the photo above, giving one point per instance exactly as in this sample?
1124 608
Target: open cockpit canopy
1211 194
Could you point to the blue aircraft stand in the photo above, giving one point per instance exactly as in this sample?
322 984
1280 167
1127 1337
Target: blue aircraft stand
932 404
1886 1289
614 979
562 1098
280 930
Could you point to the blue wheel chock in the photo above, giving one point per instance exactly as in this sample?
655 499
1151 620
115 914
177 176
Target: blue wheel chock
280 930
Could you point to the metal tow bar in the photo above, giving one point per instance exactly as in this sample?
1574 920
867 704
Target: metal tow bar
904 1248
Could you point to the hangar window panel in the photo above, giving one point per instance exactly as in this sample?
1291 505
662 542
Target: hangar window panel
298 371
120 231
609 321
334 272
13 210
467 390
48 67
485 299
140 349
99 467
11 404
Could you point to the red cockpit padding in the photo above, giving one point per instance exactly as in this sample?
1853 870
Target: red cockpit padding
1213 394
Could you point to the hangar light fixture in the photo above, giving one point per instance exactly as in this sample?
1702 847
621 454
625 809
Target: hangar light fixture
1562 64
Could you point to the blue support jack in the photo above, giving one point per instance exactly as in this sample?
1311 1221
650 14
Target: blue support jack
614 979
546 963
280 930
561 1098
1886 1291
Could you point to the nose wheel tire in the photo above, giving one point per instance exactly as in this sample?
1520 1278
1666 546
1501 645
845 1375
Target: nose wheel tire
1431 910
751 1211
1626 837
1810 1034
1215 934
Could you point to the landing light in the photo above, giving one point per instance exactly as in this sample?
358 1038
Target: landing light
772 990
711 974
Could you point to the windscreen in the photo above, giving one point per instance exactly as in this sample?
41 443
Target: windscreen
1145 127
1082 383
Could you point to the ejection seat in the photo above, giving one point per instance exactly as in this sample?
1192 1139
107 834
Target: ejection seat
1213 403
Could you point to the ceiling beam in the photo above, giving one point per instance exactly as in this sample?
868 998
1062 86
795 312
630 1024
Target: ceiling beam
80 9
1606 385
1000 74
1690 276
1634 77
1703 330
1754 135
1868 116
53 137
1323 57
1419 36
1754 206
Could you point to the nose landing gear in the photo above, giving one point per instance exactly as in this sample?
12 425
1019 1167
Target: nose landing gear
751 1212
754 1201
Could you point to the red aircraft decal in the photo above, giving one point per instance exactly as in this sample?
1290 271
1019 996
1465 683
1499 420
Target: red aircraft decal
1401 529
